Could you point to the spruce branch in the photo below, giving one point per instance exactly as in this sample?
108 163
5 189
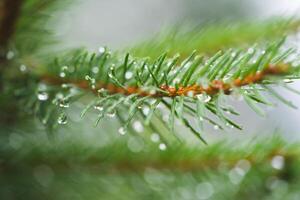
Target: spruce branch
184 88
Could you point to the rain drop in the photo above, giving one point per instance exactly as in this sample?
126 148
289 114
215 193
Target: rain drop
62 74
146 110
155 137
62 119
122 130
64 103
128 75
95 70
10 55
216 127
23 68
98 107
111 113
277 162
101 50
162 146
138 126
43 96
204 98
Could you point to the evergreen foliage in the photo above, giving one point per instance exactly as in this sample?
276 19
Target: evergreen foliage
186 76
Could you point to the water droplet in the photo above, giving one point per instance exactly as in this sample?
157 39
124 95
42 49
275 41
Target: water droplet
23 68
243 166
101 50
204 190
87 77
99 107
10 55
204 98
111 113
155 137
128 75
65 86
216 127
64 103
138 126
95 70
146 110
162 146
62 119
277 162
64 68
122 130
236 175
43 96
250 50
62 74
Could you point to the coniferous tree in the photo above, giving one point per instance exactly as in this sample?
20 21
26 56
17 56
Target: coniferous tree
152 104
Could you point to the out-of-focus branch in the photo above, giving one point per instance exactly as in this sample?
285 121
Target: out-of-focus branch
9 13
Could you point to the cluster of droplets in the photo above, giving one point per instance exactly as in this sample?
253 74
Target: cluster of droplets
62 102
91 81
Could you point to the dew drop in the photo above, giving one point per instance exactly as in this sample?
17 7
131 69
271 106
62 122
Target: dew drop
23 68
250 50
111 113
146 110
155 137
98 107
128 75
64 68
10 55
101 50
277 162
216 127
95 70
43 96
62 119
62 74
122 130
162 146
204 190
233 54
138 126
64 103
204 98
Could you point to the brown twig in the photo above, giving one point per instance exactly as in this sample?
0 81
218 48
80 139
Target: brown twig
214 87
10 11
